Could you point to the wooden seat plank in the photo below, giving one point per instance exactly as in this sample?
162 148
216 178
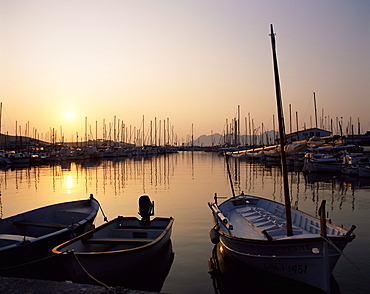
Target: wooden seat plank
41 224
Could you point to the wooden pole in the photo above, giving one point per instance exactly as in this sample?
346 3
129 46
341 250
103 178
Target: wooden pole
322 219
314 100
282 137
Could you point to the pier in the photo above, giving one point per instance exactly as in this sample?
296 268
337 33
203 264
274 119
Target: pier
30 286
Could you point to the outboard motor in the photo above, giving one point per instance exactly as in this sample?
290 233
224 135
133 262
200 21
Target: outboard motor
146 207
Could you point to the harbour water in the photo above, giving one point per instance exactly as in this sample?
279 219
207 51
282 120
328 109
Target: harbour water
181 185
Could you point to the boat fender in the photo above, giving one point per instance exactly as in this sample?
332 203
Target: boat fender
214 236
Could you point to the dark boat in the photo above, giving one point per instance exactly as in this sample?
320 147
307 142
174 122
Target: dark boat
26 239
117 249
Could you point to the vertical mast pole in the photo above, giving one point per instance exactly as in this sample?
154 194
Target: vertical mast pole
314 100
1 113
282 137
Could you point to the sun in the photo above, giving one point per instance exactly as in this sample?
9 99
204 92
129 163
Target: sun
69 115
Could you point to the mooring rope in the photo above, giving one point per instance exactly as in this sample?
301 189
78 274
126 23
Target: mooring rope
346 257
105 218
101 209
26 263
92 277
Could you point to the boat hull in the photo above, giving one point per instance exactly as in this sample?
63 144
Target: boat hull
295 260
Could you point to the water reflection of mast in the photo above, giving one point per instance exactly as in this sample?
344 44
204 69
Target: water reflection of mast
158 171
236 173
143 170
295 178
53 177
192 162
36 170
2 181
1 205
170 166
165 168
262 172
248 177
251 174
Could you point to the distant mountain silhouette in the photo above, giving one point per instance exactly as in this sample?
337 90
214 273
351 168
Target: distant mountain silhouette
267 138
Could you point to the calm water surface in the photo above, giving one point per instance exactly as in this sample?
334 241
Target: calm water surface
181 185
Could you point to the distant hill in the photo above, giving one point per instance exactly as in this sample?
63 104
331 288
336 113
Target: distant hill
267 138
204 140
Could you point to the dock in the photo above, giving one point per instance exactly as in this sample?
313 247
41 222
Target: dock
32 286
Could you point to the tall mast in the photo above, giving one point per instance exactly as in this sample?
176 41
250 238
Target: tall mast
290 119
85 131
192 136
314 100
282 137
238 142
143 135
1 112
250 131
273 127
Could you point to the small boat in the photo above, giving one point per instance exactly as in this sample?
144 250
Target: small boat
275 238
17 158
27 239
253 230
350 169
117 248
325 162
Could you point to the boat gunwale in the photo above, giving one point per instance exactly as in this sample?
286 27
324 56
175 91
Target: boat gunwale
86 236
274 256
316 238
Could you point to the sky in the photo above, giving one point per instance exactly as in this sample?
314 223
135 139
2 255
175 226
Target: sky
91 65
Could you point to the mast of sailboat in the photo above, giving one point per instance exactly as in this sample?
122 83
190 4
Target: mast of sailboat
1 113
314 100
282 137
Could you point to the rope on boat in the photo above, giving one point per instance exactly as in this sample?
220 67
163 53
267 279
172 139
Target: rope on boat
26 263
346 257
229 173
101 208
111 290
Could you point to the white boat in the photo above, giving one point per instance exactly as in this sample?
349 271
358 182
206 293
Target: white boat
248 154
17 158
28 238
254 153
253 230
275 238
272 155
323 162
116 248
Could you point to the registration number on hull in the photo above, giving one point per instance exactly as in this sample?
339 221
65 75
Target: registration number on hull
284 268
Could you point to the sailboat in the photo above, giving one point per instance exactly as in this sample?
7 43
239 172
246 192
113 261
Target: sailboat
274 237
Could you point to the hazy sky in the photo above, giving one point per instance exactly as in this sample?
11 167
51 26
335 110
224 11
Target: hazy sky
188 62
